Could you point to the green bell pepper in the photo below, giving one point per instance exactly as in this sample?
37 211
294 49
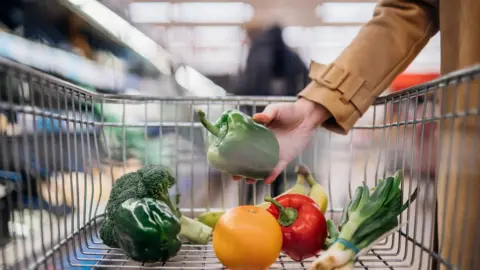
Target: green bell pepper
147 230
240 146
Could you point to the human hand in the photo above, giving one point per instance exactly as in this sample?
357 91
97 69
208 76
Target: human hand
293 124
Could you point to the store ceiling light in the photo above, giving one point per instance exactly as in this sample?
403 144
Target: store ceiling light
80 2
319 36
125 32
191 12
347 12
215 12
150 12
218 36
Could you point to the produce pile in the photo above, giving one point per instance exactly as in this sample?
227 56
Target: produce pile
142 219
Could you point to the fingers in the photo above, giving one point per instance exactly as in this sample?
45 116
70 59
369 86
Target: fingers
267 115
247 180
270 179
276 172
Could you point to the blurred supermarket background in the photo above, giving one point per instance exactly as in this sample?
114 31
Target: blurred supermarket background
179 48
137 44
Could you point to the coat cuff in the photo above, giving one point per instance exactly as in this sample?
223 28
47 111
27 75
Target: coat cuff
342 93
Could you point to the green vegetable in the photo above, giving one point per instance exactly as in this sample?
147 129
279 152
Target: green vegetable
147 230
365 219
240 146
332 233
151 181
108 235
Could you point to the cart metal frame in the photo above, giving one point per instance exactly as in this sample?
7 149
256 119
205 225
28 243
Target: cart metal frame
60 239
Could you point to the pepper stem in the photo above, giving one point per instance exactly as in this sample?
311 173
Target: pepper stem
209 126
287 215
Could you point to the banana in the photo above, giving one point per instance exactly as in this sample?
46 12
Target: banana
211 218
317 192
298 188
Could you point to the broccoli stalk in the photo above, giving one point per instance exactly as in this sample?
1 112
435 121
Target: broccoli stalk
195 231
152 181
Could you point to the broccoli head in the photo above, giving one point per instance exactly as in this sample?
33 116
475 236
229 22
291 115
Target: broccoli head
152 181
154 173
126 187
107 234
156 182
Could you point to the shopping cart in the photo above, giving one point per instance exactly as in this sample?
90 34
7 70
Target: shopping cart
59 178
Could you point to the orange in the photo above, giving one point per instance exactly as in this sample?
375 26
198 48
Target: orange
247 238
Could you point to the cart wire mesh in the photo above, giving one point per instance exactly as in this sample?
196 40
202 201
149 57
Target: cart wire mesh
59 165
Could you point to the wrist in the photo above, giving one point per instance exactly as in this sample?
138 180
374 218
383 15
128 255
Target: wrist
315 114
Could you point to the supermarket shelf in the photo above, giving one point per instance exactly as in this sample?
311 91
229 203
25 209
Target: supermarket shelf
101 21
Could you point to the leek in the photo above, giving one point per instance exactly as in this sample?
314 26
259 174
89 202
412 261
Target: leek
366 218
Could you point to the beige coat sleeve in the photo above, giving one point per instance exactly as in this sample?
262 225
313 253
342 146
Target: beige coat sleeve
383 48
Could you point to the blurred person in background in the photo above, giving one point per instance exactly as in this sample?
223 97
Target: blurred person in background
340 93
272 68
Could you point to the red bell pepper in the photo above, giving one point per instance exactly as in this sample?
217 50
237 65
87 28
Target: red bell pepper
303 225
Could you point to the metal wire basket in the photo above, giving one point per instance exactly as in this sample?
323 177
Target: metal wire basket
63 167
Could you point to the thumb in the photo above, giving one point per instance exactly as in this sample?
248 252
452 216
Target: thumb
276 171
267 115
